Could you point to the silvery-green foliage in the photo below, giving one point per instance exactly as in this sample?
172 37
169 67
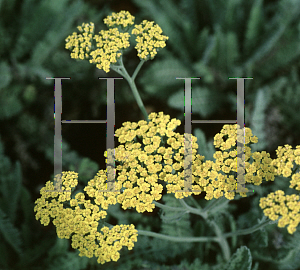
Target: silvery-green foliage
218 40
241 259
258 118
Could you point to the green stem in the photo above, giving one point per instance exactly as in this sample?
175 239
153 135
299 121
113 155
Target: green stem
195 203
216 205
163 206
250 230
221 240
193 210
122 71
186 208
177 239
207 239
137 69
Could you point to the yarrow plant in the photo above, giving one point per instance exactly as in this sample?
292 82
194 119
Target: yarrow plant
150 159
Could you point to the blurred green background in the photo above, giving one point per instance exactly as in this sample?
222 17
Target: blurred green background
213 40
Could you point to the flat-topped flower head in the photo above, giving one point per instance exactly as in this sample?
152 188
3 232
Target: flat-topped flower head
287 159
149 39
110 44
151 152
287 207
122 18
80 44
104 49
219 178
81 218
106 244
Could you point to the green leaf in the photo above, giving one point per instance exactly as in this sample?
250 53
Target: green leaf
5 75
10 185
176 100
257 124
205 44
180 221
179 226
3 254
31 28
269 43
225 53
10 233
232 9
27 206
87 169
232 50
16 185
33 253
68 261
165 73
10 103
255 267
41 73
261 237
241 259
202 69
60 247
254 25
204 101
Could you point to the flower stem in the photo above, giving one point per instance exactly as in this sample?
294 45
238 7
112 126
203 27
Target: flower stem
250 230
122 71
163 206
220 237
186 208
177 239
193 210
216 205
195 202
221 240
137 69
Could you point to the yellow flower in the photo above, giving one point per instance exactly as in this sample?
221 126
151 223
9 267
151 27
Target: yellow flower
122 18
149 39
82 41
295 181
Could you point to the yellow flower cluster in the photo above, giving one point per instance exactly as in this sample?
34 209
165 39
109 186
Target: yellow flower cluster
82 220
123 18
153 151
285 203
218 178
145 163
149 39
111 43
287 160
81 44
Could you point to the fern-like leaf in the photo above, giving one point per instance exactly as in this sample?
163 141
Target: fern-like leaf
241 259
254 26
10 233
